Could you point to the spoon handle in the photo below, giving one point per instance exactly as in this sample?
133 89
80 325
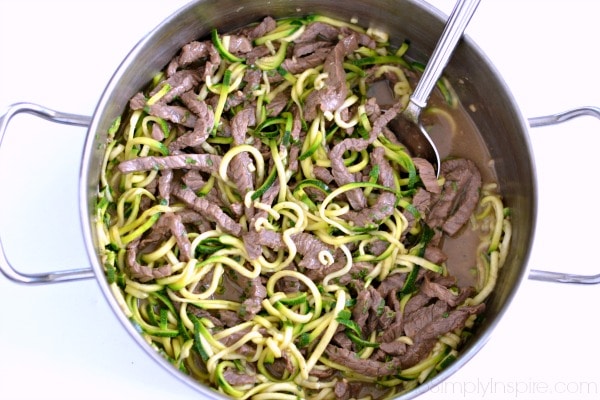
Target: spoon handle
457 22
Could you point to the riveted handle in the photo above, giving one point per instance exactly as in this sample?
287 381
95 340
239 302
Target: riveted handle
5 266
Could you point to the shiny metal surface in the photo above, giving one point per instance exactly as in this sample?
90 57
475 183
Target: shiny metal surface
6 267
97 358
453 31
473 76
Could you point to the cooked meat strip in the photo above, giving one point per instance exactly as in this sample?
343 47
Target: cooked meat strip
318 30
143 273
340 173
202 127
386 202
459 196
298 65
255 292
179 83
237 378
176 114
363 366
331 97
209 210
203 162
427 175
264 27
239 44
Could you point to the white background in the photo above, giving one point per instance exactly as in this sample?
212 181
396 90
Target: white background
63 342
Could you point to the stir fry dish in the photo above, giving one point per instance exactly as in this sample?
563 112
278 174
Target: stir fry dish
264 230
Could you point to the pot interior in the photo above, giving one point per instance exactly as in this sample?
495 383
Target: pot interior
478 85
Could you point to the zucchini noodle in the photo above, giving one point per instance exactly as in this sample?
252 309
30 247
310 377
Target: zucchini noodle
291 268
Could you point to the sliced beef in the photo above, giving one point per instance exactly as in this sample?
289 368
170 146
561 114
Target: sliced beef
240 123
386 201
427 175
459 197
264 27
323 174
178 230
309 246
393 348
237 378
280 366
298 65
241 175
303 49
419 319
178 83
247 349
164 184
239 44
176 114
195 52
340 173
209 210
202 127
255 293
366 367
442 290
331 97
204 162
143 273
318 31
255 240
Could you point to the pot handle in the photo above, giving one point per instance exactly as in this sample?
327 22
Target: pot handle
562 277
5 266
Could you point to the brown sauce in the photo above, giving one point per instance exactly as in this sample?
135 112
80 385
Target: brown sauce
456 135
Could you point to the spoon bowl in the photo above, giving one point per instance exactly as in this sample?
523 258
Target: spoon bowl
407 126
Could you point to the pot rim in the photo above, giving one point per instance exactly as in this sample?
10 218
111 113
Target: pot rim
87 197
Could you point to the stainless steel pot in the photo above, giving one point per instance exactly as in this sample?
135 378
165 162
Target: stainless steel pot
480 86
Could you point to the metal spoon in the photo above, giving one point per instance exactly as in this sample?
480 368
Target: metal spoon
418 140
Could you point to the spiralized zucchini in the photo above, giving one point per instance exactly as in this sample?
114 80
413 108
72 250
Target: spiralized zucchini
177 306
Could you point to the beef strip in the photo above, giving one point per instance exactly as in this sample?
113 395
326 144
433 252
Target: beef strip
360 312
179 83
281 365
240 123
427 175
366 367
143 273
340 173
176 114
194 52
178 230
254 240
459 197
298 65
204 162
264 27
309 246
386 202
322 174
202 127
209 210
442 291
238 378
247 349
394 348
239 44
255 293
318 30
165 181
335 91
